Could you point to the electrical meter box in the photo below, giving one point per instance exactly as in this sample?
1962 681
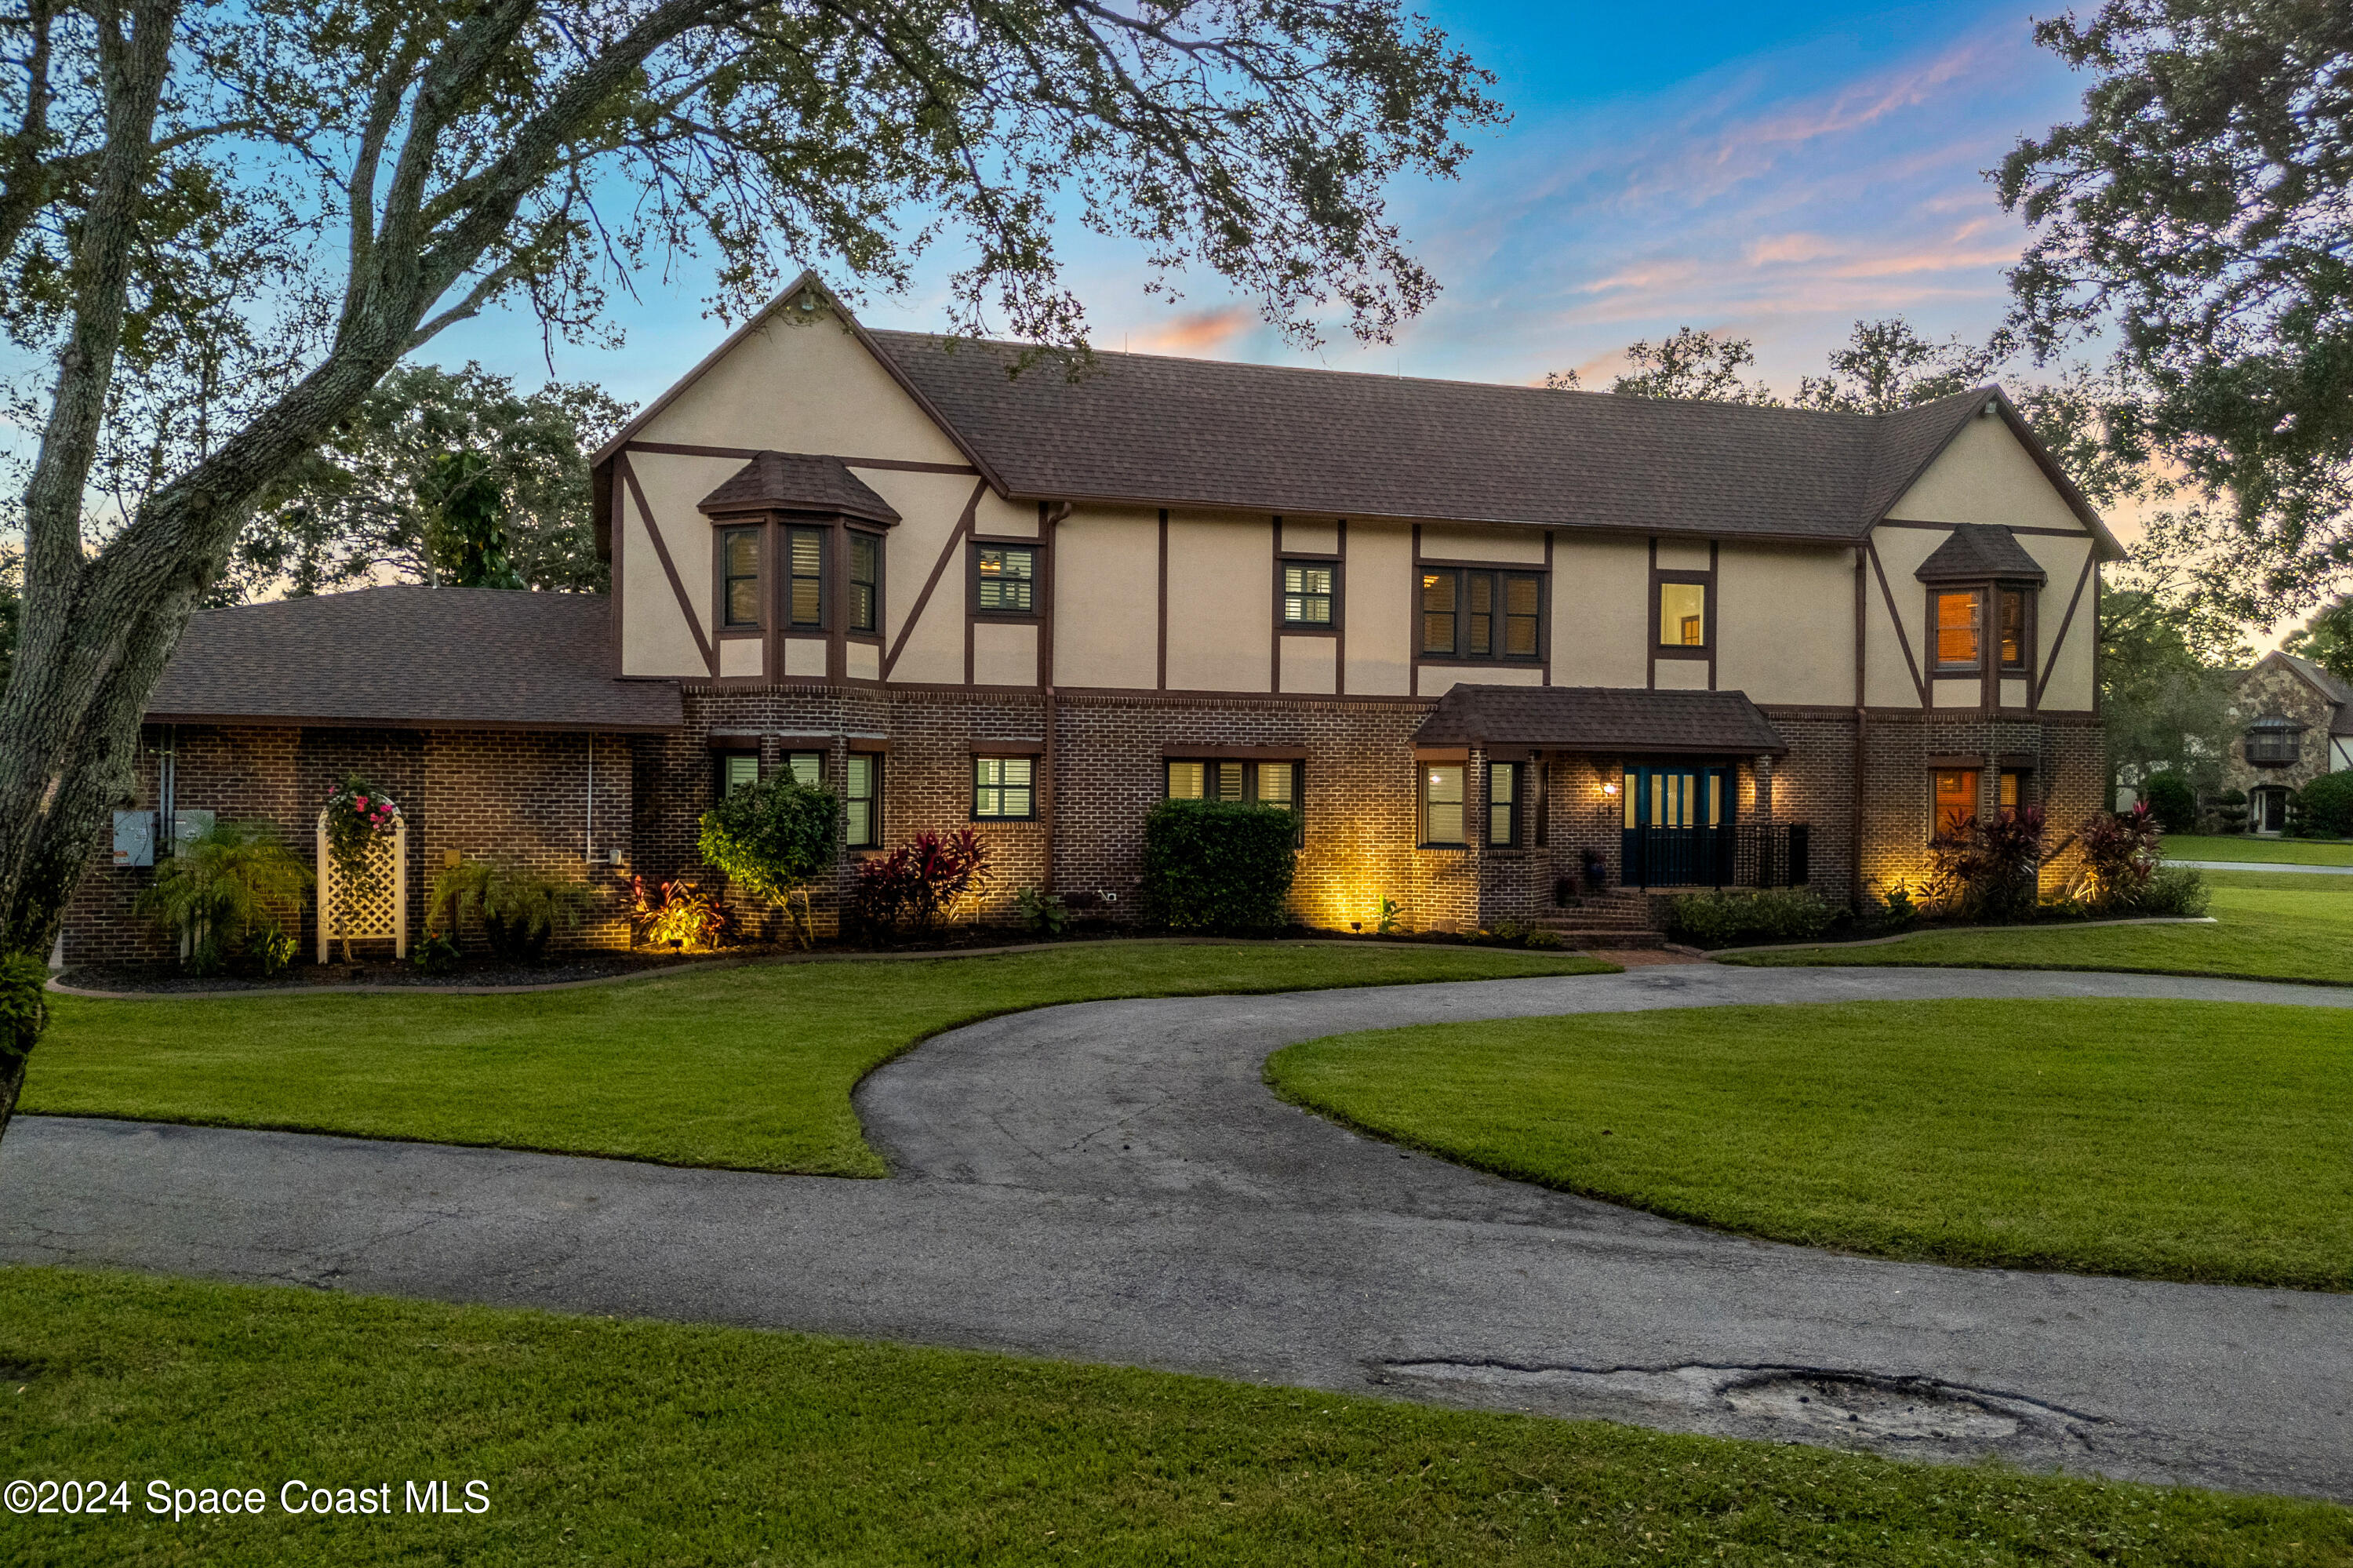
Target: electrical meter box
134 838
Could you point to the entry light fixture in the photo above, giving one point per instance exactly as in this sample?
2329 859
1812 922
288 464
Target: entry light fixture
1610 789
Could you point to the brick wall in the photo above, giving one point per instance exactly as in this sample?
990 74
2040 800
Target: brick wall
515 795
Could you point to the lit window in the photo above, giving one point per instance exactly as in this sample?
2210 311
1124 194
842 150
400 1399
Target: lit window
1307 592
807 546
1007 577
1187 781
861 800
1003 788
1683 615
865 580
1504 804
1437 613
1957 799
1265 783
740 553
1441 802
1958 618
2013 628
2013 788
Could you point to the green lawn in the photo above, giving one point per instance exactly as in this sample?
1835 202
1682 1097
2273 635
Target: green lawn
2268 926
640 1443
747 1067
2177 1140
2294 851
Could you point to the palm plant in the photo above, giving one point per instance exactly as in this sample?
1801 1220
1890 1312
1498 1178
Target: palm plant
519 910
229 881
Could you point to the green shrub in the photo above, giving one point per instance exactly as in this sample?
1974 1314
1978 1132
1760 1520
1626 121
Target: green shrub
1042 912
1542 940
23 1008
1728 918
1217 865
2172 801
772 839
2231 810
2324 807
2174 890
518 908
232 881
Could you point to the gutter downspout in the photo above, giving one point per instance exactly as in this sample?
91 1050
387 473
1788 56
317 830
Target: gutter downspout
1862 727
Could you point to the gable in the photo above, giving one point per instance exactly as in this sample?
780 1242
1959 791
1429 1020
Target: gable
1985 474
800 383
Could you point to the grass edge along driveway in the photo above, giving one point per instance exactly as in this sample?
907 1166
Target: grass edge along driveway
745 1068
2282 926
2197 1141
2246 849
639 1442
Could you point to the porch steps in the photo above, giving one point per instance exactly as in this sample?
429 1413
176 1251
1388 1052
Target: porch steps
1615 919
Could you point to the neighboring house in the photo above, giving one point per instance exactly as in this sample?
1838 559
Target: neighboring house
1483 637
2292 722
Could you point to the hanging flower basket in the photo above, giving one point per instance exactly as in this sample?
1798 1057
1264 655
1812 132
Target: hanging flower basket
361 867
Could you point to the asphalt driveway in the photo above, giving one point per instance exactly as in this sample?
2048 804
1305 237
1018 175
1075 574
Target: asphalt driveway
1111 1182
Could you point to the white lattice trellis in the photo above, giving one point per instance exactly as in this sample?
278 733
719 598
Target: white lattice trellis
382 908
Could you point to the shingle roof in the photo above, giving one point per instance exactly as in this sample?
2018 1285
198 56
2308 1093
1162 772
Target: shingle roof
1602 719
2329 686
797 482
411 658
1169 431
1978 550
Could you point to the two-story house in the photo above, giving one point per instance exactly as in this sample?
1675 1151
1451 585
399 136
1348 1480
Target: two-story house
1486 640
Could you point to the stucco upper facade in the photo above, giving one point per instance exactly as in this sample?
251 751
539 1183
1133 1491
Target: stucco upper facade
1141 596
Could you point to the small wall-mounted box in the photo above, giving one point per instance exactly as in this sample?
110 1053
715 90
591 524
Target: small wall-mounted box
134 838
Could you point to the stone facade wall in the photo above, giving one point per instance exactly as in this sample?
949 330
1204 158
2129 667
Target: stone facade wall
2274 689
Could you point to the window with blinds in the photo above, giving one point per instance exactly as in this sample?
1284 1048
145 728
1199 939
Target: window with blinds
1006 577
861 800
1003 788
805 557
1309 592
1482 615
1441 804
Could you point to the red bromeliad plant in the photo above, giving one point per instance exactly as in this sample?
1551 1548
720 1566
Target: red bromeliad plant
921 882
1986 869
2120 855
358 814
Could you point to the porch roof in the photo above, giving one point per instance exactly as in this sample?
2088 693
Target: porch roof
410 657
1609 719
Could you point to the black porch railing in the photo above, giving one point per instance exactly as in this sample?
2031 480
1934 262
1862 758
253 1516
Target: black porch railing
1741 854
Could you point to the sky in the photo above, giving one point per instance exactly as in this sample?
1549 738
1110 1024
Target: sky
1776 171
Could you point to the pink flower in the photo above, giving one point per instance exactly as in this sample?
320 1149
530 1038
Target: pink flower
360 804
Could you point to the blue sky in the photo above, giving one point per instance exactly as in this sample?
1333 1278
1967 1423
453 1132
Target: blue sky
1771 170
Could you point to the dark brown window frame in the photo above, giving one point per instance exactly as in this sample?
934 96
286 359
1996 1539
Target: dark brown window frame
1035 550
875 761
852 537
786 620
1977 794
1421 771
758 533
1939 666
1703 581
1462 574
720 767
979 758
1514 809
1250 768
1286 627
1989 597
2024 664
2286 752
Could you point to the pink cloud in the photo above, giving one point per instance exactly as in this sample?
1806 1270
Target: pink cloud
1198 332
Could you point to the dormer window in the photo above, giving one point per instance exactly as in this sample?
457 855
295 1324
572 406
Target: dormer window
1960 628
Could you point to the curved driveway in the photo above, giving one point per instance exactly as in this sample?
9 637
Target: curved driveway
1113 1181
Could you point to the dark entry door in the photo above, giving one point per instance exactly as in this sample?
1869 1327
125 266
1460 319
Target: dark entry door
1678 825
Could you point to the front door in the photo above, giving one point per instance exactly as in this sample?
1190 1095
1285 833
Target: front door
1678 826
2270 811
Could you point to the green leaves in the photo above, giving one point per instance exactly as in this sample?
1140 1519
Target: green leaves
1217 865
771 838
